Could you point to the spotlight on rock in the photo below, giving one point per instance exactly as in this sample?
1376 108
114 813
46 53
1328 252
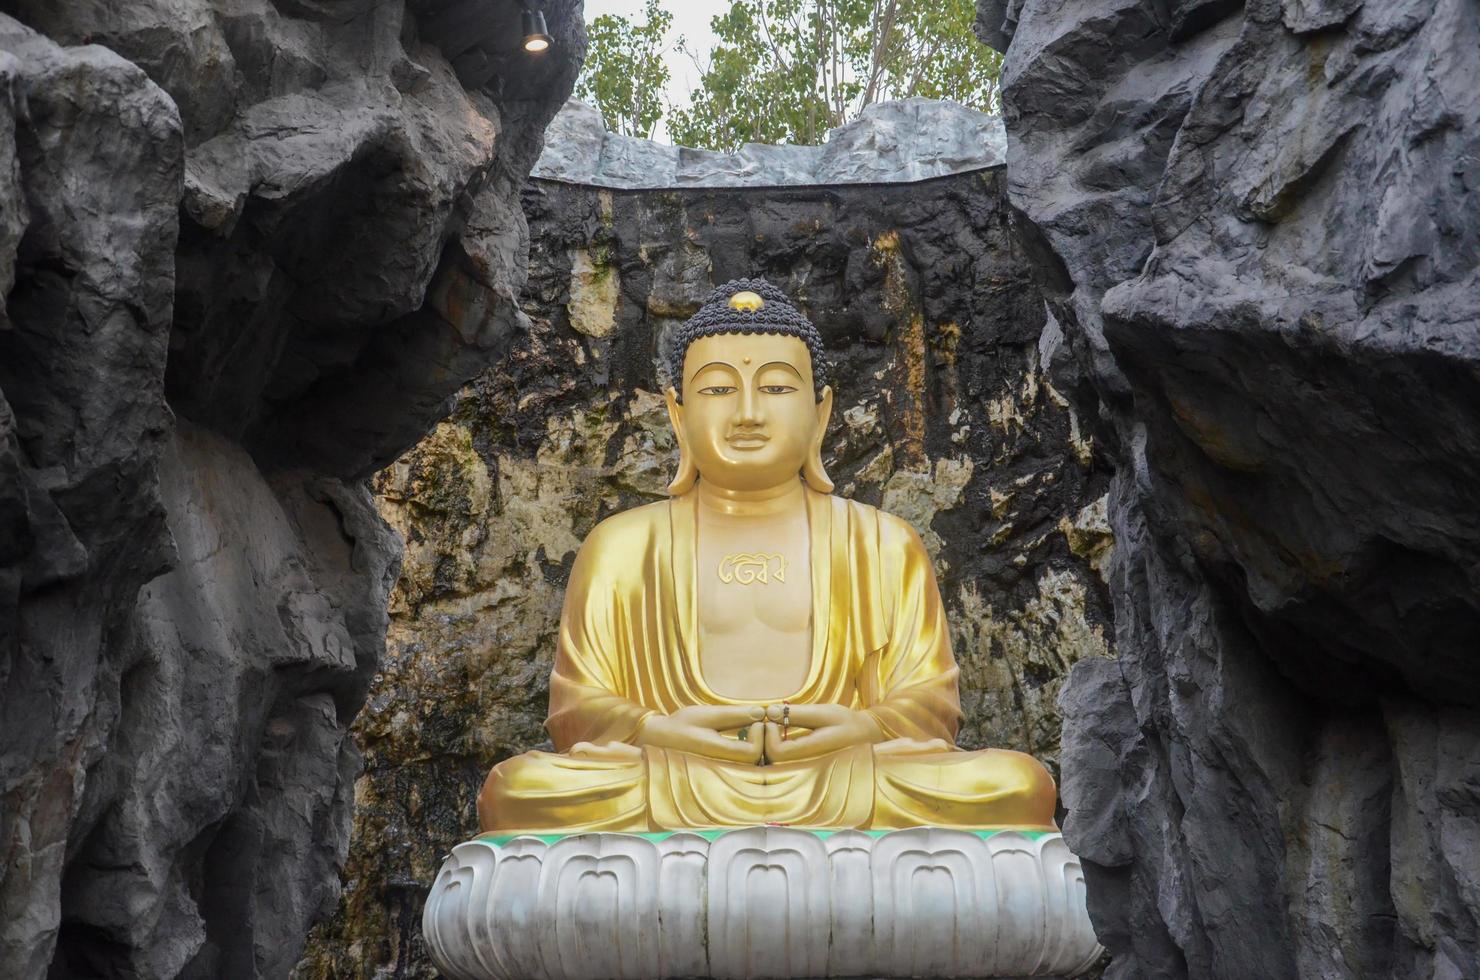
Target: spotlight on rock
536 36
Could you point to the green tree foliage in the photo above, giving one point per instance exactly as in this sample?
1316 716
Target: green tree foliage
625 75
786 71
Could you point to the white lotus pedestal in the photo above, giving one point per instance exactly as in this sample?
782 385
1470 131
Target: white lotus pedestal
761 902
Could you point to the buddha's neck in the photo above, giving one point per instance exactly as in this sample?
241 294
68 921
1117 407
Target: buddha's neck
783 499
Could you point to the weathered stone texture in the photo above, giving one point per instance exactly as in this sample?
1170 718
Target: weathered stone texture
929 310
218 222
899 141
1264 213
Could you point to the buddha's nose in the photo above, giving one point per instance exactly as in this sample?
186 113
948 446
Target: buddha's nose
749 407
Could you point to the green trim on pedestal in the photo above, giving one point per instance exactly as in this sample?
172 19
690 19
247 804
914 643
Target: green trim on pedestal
499 840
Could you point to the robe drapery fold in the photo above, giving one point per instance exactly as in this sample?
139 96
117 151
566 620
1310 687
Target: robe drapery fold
627 648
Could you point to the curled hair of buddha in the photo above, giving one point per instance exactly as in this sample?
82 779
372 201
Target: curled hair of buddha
775 314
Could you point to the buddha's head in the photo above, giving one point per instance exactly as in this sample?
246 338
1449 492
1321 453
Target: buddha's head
749 401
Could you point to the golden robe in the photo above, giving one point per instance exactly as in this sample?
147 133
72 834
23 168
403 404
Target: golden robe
879 642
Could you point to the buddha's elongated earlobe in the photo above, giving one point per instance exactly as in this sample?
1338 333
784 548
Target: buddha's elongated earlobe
688 474
812 470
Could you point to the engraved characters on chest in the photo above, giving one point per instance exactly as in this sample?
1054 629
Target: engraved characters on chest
752 568
751 593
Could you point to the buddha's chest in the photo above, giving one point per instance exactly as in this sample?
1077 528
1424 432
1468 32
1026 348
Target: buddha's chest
754 596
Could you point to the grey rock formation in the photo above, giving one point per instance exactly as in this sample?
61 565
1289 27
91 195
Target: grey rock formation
890 142
249 252
1264 219
931 315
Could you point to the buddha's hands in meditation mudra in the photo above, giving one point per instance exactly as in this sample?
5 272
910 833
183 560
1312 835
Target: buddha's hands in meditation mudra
697 729
831 727
771 734
755 650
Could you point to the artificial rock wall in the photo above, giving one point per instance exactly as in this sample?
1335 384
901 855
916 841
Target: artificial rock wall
1263 291
926 298
248 250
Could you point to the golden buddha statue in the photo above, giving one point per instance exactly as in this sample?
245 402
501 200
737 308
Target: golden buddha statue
755 650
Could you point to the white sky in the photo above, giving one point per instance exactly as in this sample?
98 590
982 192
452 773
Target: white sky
690 20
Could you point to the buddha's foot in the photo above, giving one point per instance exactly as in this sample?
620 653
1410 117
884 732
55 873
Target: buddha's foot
761 902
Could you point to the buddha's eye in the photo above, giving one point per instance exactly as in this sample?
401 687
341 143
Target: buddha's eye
777 389
717 390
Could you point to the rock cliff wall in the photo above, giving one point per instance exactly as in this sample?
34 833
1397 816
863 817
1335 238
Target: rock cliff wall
249 250
1265 217
928 304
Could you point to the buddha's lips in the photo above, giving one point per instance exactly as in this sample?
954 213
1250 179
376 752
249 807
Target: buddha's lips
748 440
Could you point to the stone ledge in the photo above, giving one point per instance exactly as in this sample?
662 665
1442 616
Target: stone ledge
890 142
761 902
